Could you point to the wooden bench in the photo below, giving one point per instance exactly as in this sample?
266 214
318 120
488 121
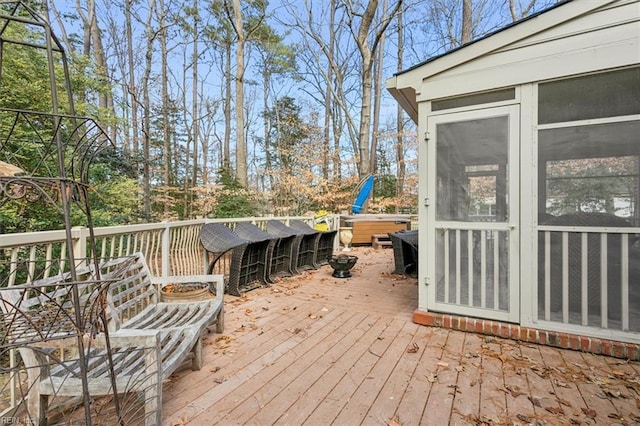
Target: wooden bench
122 335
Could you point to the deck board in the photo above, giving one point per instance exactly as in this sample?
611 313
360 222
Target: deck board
443 390
412 407
367 401
335 367
316 350
269 401
516 385
360 375
466 405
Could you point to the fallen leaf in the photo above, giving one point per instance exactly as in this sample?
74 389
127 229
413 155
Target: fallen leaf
555 410
443 364
413 348
523 418
589 412
613 394
515 391
395 422
535 401
431 378
503 358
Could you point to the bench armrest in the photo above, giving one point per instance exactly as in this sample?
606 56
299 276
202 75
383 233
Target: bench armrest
128 338
125 338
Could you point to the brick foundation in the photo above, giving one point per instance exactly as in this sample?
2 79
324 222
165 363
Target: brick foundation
531 335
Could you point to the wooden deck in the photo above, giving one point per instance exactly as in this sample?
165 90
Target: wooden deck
318 350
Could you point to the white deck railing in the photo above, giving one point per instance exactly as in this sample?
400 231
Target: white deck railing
171 248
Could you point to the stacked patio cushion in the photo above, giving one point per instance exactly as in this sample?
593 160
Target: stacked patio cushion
247 267
304 246
325 241
279 253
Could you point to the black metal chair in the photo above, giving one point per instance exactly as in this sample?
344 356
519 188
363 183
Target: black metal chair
279 250
405 252
325 243
246 269
304 245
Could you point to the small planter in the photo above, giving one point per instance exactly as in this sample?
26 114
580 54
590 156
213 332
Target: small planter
341 265
184 292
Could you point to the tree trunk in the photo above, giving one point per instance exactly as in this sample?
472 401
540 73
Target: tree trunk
132 89
146 142
377 98
226 157
367 52
523 12
166 133
186 185
327 101
467 23
266 82
402 168
195 124
241 144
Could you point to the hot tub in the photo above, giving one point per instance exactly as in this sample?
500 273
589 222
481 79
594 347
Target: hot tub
365 226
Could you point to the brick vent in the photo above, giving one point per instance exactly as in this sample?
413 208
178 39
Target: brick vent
531 335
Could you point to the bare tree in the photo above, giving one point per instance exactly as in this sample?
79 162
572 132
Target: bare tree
219 36
524 10
400 160
132 90
377 98
467 23
327 100
93 38
367 35
151 35
235 16
328 67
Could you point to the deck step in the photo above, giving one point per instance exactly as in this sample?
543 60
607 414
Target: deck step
379 241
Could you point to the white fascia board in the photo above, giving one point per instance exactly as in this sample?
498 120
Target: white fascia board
405 96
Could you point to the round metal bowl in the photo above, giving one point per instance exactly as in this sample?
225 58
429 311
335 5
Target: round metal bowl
341 265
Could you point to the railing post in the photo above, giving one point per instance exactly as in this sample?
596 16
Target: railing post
80 234
166 250
205 255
